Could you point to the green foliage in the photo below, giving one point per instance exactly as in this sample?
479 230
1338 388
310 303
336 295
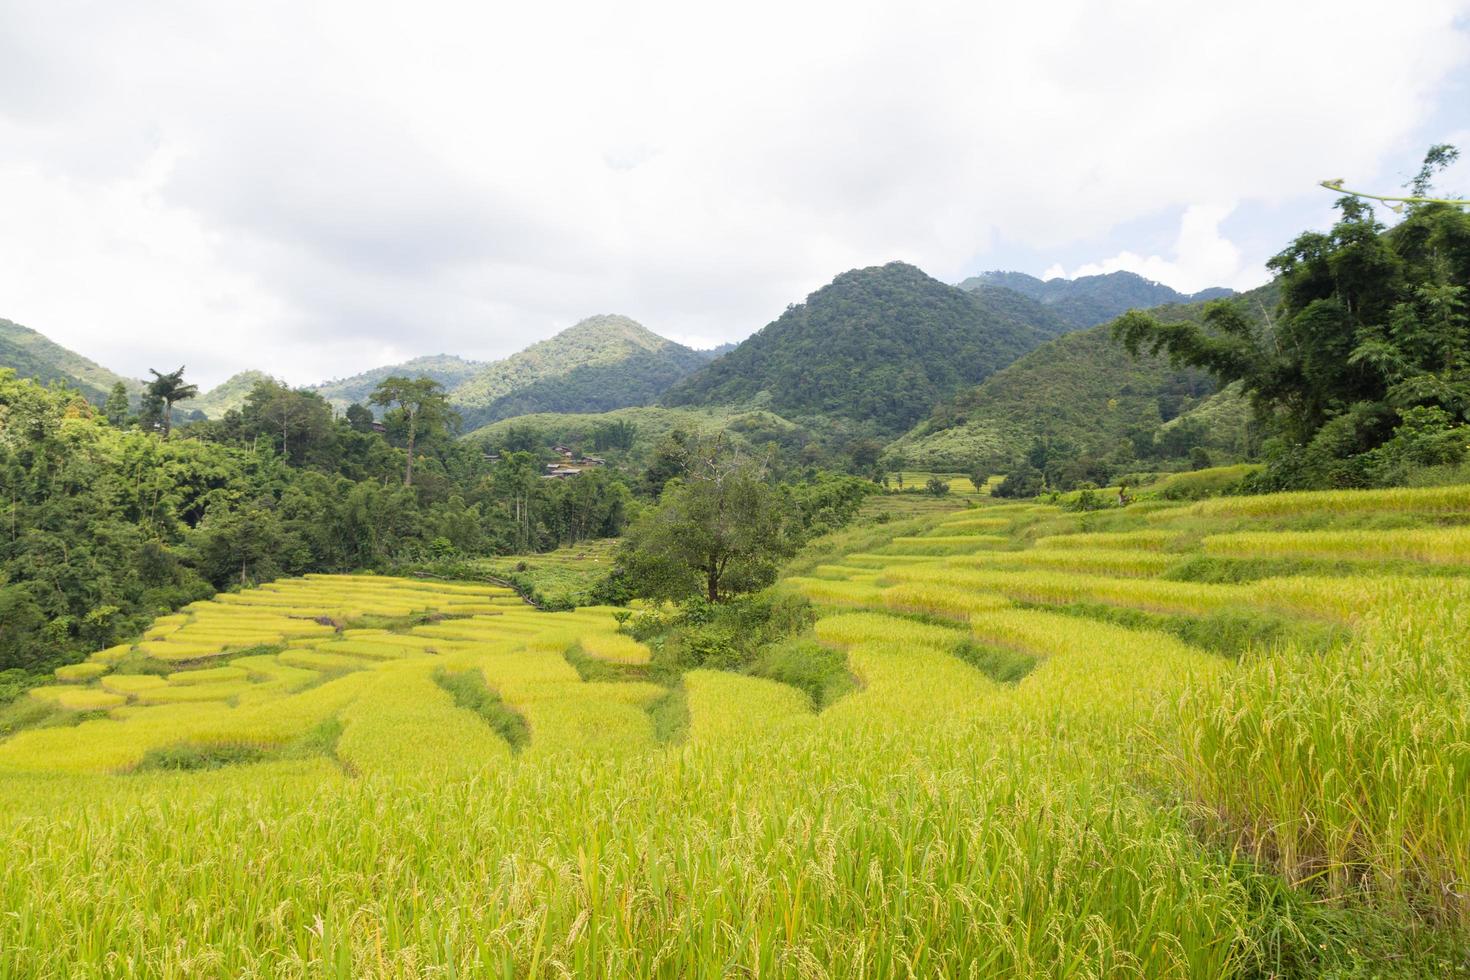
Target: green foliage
448 370
230 394
1373 325
1088 300
419 407
1085 392
720 530
880 345
733 635
999 664
34 356
936 486
820 671
470 692
600 364
167 390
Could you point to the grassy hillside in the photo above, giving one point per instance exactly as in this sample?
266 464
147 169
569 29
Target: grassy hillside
878 346
33 355
229 394
600 364
1089 300
446 369
1198 740
1082 389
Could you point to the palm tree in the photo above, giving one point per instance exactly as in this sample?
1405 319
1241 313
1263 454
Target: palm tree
170 388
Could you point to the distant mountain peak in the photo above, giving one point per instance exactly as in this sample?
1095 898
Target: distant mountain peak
602 362
1089 300
876 346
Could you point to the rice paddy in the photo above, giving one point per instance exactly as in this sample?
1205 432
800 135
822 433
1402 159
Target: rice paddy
366 776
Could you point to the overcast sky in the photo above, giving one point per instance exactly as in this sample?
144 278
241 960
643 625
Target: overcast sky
318 188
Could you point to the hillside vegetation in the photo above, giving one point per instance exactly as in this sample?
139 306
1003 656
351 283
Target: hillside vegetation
1111 726
1089 300
32 355
1085 391
644 428
446 369
600 364
878 346
228 395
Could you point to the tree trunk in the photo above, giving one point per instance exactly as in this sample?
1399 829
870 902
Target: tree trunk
408 470
712 583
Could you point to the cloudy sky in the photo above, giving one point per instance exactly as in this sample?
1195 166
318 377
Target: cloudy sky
318 188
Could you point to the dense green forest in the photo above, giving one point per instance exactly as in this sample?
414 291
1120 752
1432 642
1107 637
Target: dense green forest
1105 410
1089 300
877 346
601 363
1362 375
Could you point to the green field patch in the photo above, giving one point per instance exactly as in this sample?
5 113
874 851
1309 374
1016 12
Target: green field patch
470 692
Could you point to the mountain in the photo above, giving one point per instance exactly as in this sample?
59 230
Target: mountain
33 355
228 394
602 363
447 369
1090 300
1082 389
879 346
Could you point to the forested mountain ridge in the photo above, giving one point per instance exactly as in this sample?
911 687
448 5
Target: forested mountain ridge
228 394
447 369
33 355
1088 394
879 345
1090 300
601 363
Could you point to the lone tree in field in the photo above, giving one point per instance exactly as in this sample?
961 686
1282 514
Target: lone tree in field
719 530
167 389
421 407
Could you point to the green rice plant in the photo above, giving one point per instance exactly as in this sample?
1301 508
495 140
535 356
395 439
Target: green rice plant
322 660
1093 561
725 707
87 670
77 698
951 545
1347 769
209 675
167 650
1417 500
614 647
850 629
268 669
111 655
1058 587
404 722
939 599
863 560
182 693
955 524
834 592
1112 540
132 683
1447 546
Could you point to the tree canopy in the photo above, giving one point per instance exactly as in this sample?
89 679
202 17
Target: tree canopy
1367 360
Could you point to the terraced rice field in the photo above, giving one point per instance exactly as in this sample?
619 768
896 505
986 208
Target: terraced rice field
1178 741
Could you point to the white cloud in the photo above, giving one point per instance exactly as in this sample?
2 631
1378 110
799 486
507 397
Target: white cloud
1202 257
300 187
